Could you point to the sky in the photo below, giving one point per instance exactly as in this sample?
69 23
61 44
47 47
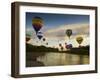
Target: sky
55 26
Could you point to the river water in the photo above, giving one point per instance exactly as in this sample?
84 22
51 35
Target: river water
55 59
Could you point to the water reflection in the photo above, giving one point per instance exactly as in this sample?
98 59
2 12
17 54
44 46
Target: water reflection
54 59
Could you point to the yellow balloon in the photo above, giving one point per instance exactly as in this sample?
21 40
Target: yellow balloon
79 40
36 20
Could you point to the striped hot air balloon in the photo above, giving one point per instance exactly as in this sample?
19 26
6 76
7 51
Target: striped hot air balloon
39 35
37 23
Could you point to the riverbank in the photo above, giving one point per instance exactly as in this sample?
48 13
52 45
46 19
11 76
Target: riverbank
84 50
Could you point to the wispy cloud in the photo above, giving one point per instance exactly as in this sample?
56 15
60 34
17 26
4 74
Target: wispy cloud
60 31
56 34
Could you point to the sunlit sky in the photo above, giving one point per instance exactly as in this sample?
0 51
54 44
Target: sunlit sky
55 26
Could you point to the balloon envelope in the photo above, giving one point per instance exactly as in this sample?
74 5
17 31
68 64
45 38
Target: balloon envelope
37 23
60 44
44 39
46 43
28 37
69 32
69 46
79 39
39 35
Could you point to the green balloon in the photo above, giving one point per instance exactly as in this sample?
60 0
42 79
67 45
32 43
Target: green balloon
69 32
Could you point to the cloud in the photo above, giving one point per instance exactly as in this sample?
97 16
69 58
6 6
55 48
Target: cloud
60 31
58 34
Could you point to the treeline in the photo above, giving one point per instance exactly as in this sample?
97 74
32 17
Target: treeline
33 48
80 50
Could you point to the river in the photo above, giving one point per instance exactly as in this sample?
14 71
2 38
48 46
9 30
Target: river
55 59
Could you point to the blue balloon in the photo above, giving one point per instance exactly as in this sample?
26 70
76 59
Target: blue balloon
39 35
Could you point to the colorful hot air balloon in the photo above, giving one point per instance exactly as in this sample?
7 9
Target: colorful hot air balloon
68 46
60 44
39 35
46 43
69 32
79 40
37 23
44 39
61 47
27 37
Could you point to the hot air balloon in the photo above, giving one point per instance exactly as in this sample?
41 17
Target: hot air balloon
39 35
27 37
46 43
37 23
68 46
44 39
60 44
61 47
79 40
69 32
